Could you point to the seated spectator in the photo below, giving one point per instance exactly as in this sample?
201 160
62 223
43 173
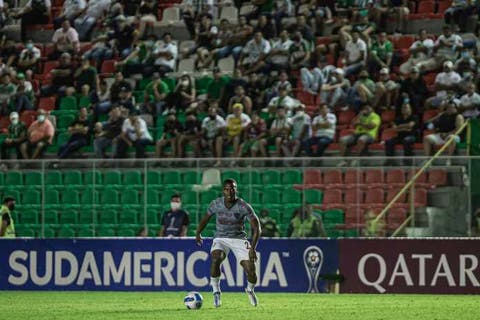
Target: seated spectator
216 88
282 82
299 52
125 100
381 53
134 134
62 78
40 135
317 14
105 106
302 27
70 11
470 103
101 50
86 78
445 124
124 35
172 130
205 35
147 16
366 124
334 91
304 224
106 134
185 96
24 96
7 94
191 135
386 91
363 91
301 131
139 60
8 53
213 127
252 58
279 130
466 67
79 131
314 79
278 57
323 128
175 221
283 100
446 48
155 96
240 98
32 13
65 39
420 51
355 54
268 224
266 27
253 138
459 13
373 228
236 122
415 90
86 21
406 126
16 135
165 54
29 58
240 35
446 82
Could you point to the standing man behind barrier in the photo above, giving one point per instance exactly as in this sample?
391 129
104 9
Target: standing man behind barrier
7 227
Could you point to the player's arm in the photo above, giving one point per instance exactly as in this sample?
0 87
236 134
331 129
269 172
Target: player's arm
256 232
203 223
4 225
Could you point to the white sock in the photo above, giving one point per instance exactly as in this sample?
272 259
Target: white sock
215 283
250 286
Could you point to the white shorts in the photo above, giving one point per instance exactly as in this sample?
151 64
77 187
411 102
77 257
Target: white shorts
239 247
437 140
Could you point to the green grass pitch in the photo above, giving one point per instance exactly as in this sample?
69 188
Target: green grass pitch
162 305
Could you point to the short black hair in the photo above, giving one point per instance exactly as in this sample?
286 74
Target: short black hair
176 195
230 180
8 199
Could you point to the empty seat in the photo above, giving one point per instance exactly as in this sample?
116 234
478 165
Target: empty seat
171 177
13 178
353 197
353 178
112 177
437 177
373 178
132 178
290 177
271 197
250 177
313 196
33 178
395 178
190 177
31 198
312 178
401 201
292 197
332 198
354 215
186 65
270 178
53 178
110 197
130 197
419 197
332 179
374 197
396 215
72 178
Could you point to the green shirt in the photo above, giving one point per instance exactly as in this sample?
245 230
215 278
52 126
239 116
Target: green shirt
10 231
266 7
16 131
88 76
371 118
7 91
161 86
382 50
215 87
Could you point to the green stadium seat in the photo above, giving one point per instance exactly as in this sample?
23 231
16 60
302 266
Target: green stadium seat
84 102
109 197
107 216
68 216
49 231
191 177
68 103
171 178
171 83
33 178
154 178
208 196
70 197
29 216
2 178
24 231
153 197
271 178
352 233
93 178
189 197
132 178
232 174
66 232
128 216
72 178
53 178
65 120
112 177
89 196
291 197
152 216
124 232
130 197
31 198
51 216
201 84
143 83
85 232
13 178
52 198
86 216
252 196
333 216
270 197
12 193
250 178
313 196
292 177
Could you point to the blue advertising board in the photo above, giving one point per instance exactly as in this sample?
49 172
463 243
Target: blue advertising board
284 265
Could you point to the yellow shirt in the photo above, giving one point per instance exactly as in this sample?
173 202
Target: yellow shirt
364 120
10 231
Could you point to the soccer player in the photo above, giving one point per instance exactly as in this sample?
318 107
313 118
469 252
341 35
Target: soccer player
230 212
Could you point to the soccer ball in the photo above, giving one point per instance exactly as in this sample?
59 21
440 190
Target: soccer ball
193 300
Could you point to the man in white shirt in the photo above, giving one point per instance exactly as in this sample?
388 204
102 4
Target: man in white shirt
323 132
29 57
445 82
213 127
420 51
165 54
470 103
134 133
70 11
65 39
85 23
447 47
334 91
279 130
279 55
313 80
301 130
253 55
283 100
355 54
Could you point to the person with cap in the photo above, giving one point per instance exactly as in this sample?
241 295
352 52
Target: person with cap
334 91
40 135
367 124
236 122
301 131
446 124
7 93
155 95
420 51
241 98
323 128
79 131
65 39
29 58
172 130
386 91
314 79
446 82
134 134
446 48
381 53
7 225
16 135
413 90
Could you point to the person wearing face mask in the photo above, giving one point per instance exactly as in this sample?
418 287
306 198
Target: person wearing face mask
17 134
176 220
184 96
39 136
7 227
29 58
445 82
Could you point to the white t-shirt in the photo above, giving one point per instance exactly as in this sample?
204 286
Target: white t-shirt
36 53
354 50
73 6
213 126
427 43
468 101
131 133
287 102
255 50
447 79
96 8
61 39
298 123
449 52
284 47
329 132
285 123
166 47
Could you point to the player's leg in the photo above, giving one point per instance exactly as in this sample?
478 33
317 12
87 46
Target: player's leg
218 253
241 248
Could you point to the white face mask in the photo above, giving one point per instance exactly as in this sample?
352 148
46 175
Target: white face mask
334 79
175 205
300 113
41 118
14 121
185 83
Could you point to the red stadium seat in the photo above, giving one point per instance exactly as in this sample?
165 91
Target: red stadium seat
421 181
345 119
400 202
353 197
353 179
332 179
419 197
374 178
396 215
354 215
47 103
429 114
4 123
108 68
443 5
395 178
388 134
312 179
332 198
28 117
437 178
403 42
374 197
388 116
